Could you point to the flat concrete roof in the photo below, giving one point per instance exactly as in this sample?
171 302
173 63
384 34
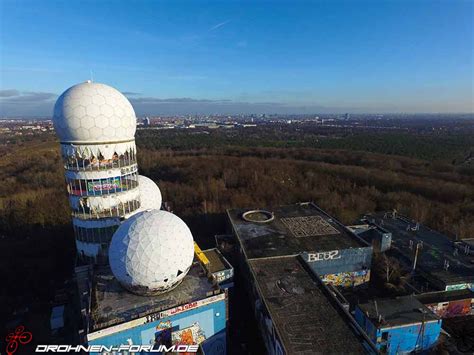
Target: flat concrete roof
436 249
216 261
306 321
116 305
294 229
397 311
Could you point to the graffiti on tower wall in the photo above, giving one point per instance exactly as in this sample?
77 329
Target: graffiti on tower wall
104 185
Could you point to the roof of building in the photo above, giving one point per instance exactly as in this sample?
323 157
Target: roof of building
217 262
437 248
371 234
369 229
397 311
290 230
445 296
303 316
115 305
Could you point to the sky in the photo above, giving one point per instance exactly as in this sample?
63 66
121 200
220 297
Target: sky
183 57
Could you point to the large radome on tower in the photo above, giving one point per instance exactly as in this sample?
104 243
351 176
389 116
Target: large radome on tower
93 112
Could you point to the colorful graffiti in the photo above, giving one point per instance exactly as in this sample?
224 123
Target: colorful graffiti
104 185
162 336
459 287
452 309
188 336
347 279
163 325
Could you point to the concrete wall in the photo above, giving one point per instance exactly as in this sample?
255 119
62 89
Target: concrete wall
341 265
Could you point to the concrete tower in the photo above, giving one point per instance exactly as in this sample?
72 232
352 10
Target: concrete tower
96 126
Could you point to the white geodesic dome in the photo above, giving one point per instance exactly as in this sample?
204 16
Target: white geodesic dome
151 252
93 112
150 194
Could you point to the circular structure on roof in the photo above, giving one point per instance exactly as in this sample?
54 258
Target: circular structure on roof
93 112
150 194
151 252
258 216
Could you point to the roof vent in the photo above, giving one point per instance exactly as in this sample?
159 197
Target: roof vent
258 216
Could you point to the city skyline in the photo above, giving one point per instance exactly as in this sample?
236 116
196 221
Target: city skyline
229 57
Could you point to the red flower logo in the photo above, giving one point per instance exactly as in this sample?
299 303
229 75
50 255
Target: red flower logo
18 337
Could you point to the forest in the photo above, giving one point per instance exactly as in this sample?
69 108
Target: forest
201 173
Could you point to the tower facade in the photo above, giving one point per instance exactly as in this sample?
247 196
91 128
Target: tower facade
96 126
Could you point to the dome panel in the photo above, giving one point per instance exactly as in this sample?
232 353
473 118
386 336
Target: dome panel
101 121
109 132
79 112
118 111
95 132
93 110
87 122
82 132
107 110
98 100
111 100
75 108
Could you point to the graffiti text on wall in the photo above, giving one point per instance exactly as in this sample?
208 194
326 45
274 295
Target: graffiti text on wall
326 255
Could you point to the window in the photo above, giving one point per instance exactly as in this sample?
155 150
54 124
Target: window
95 235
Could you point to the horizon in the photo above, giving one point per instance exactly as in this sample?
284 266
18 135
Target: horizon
385 57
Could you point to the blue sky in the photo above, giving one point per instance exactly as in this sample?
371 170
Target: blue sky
226 56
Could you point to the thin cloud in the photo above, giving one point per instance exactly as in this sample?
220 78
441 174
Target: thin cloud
156 100
13 96
213 28
9 93
15 103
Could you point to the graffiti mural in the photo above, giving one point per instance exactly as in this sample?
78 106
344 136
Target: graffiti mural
162 334
452 309
108 184
347 279
459 287
188 336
